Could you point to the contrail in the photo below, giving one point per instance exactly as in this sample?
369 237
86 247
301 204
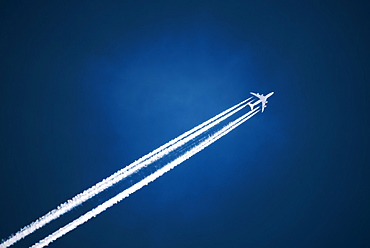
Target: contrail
114 200
119 175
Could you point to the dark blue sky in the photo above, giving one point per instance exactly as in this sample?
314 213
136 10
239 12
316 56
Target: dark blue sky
88 87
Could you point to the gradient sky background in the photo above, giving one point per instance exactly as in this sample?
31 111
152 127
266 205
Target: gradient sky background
87 87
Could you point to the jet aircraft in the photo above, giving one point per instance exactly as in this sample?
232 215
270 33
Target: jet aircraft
262 99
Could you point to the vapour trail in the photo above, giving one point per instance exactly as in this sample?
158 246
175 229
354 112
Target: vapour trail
114 200
119 175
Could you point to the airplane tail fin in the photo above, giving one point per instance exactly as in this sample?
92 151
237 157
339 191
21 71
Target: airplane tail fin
250 105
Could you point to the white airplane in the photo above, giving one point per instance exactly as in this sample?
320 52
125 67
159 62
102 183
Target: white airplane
262 99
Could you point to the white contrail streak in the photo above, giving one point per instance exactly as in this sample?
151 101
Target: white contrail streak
109 203
119 175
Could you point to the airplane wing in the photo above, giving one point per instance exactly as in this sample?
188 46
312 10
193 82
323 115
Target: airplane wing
255 94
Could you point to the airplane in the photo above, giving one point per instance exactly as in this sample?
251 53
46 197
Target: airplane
262 99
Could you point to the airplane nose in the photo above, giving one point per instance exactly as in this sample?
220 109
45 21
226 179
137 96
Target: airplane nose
269 94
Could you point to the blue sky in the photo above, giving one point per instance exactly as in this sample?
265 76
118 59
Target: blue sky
88 87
